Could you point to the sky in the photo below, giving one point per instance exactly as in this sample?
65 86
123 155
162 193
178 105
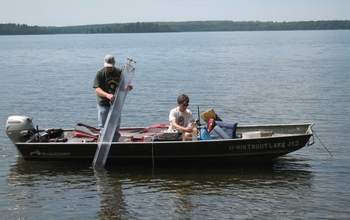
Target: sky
83 12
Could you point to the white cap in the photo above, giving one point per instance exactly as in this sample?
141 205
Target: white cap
109 61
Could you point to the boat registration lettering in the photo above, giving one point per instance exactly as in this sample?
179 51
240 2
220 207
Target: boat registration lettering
264 146
39 153
293 144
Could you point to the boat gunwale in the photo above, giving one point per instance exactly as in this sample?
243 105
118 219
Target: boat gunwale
308 128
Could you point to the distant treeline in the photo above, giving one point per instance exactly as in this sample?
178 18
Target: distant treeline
189 26
146 27
257 25
21 29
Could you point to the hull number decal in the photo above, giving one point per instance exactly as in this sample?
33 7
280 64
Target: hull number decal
264 146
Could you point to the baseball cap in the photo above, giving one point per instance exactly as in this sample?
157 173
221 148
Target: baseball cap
109 61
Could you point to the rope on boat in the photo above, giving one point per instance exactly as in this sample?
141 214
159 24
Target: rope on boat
323 144
152 152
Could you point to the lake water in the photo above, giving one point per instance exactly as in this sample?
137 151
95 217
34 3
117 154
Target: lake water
247 77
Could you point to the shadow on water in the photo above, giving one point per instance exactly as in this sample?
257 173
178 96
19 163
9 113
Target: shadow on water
282 166
118 186
279 172
276 172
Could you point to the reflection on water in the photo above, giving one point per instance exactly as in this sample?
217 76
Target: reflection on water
111 193
126 192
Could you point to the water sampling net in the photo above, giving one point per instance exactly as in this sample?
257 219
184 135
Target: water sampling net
110 127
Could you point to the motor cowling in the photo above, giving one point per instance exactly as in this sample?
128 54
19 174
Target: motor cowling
20 128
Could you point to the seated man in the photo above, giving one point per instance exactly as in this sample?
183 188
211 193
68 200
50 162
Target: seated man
181 118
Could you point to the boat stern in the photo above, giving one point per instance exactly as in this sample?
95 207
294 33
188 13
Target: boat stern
19 128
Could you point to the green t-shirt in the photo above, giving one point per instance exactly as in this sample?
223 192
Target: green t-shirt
108 82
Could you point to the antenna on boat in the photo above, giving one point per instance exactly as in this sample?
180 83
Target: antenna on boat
198 122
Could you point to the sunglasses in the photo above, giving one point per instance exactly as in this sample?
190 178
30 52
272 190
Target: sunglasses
184 104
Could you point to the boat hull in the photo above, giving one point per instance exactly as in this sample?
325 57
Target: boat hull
210 152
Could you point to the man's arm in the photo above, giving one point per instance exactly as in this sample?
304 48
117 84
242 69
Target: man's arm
102 93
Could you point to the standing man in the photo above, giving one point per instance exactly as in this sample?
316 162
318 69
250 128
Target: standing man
106 82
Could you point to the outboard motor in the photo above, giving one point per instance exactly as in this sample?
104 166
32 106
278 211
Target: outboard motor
20 128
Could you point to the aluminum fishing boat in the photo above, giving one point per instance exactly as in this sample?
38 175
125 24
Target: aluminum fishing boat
155 145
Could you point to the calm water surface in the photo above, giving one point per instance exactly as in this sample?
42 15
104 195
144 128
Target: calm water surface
247 77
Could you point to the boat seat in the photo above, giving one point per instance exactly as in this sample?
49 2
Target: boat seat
82 139
62 140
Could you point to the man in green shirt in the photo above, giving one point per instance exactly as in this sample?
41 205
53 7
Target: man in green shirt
106 82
